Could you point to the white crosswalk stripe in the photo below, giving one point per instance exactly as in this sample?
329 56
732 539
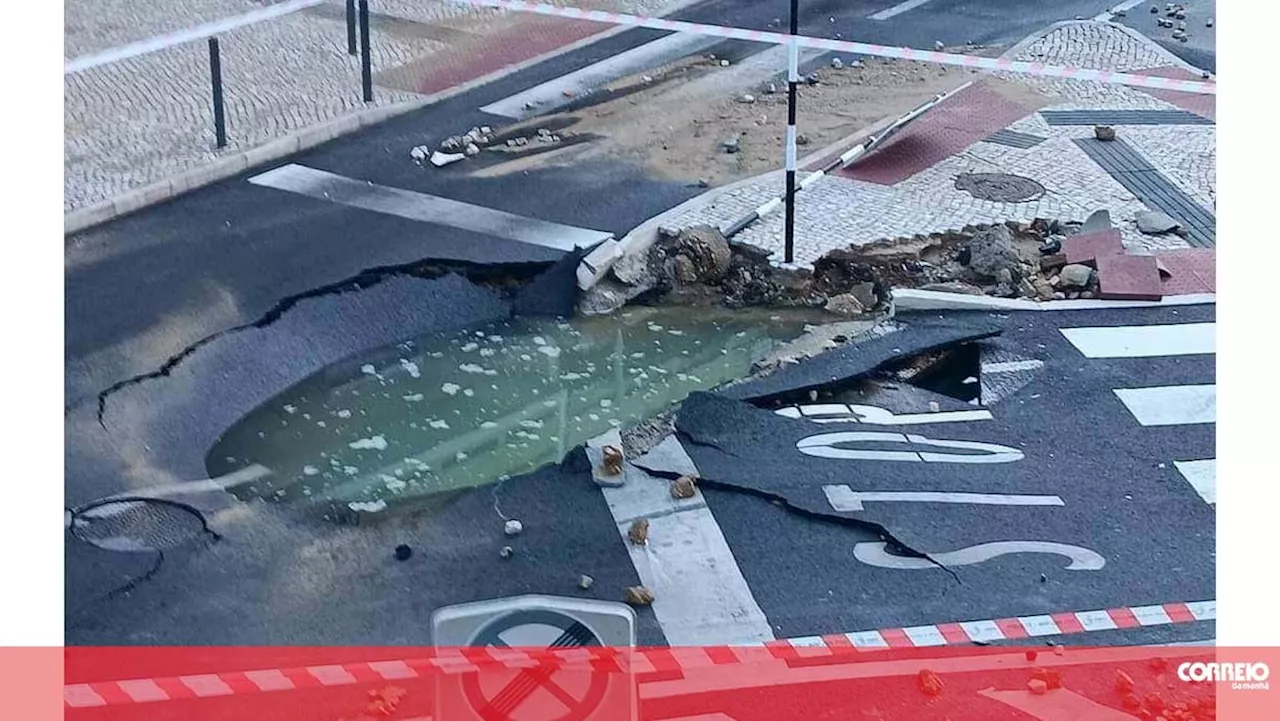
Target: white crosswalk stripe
1161 406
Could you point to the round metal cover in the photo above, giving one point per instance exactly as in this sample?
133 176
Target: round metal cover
1000 187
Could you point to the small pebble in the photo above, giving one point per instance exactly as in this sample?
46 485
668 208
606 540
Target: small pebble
507 552
585 581
513 527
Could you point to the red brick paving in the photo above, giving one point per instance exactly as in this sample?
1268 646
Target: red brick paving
1087 247
1129 277
1203 105
1191 271
960 121
526 39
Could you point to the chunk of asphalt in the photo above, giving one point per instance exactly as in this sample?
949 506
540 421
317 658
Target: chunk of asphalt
854 360
554 292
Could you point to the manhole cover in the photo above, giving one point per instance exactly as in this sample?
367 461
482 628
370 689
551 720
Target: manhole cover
999 187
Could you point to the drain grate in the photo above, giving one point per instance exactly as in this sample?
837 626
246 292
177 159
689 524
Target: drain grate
1014 139
999 187
1139 177
1122 117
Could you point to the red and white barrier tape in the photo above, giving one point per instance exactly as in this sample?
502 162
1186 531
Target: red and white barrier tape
884 51
638 661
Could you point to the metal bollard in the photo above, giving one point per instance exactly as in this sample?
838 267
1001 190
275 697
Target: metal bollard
366 61
219 115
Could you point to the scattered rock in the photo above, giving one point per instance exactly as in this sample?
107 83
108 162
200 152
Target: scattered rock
953 286
771 88
544 133
403 552
1026 288
507 552
1153 222
420 154
702 183
1087 295
705 251
991 251
1208 23
746 98
1073 295
567 93
1059 295
857 64
929 682
638 596
646 79
724 63
1182 25
1043 291
513 527
611 463
1052 246
472 150
731 145
1181 14
1124 682
585 581
845 305
1037 687
837 63
1097 220
865 293
802 139
1004 276
638 534
1121 13
812 79
1104 132
440 159
1052 262
452 144
1076 275
486 130
937 45
683 487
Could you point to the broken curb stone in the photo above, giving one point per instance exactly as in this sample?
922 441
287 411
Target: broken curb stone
403 552
1153 222
638 534
513 527
585 581
440 159
953 286
638 596
1076 275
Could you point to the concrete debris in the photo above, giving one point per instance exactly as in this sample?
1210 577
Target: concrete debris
507 552
746 98
544 133
845 305
683 487
452 144
1075 275
802 139
700 254
1051 246
724 63
472 150
938 45
857 64
953 286
513 527
731 145
837 63
992 251
1208 23
638 534
1097 220
812 79
440 159
585 582
1153 222
1104 132
638 596
420 154
771 88
1053 261
1037 687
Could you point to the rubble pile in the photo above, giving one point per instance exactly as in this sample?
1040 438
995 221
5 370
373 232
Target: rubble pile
459 147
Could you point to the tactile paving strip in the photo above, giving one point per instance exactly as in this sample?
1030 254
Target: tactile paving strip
1122 117
1014 139
1150 186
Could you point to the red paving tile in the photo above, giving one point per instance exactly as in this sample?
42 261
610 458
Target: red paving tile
1129 277
1190 271
529 37
960 121
1203 105
1087 247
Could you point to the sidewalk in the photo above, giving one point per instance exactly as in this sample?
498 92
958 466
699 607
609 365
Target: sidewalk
147 119
1010 125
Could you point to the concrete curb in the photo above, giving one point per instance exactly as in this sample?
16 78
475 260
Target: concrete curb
1031 39
297 141
911 299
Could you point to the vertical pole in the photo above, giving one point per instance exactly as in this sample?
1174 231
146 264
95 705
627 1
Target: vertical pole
215 73
366 62
352 48
793 78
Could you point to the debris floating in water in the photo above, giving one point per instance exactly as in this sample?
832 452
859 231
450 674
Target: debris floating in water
377 443
368 506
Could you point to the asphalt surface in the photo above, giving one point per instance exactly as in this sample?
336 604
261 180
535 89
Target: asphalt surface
1200 48
142 289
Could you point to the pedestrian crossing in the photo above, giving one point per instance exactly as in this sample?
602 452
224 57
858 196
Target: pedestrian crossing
1161 405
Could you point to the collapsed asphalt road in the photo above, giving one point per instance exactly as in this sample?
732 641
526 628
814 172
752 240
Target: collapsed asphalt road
1090 504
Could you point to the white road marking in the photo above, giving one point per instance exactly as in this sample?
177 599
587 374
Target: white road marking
1203 476
551 95
896 10
1012 366
874 415
1107 14
824 446
874 554
842 498
700 595
1171 405
1143 341
413 205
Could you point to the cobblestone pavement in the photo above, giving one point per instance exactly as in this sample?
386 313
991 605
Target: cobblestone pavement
141 120
839 211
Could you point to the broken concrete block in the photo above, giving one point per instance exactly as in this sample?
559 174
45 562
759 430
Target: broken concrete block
845 305
1086 248
440 159
991 250
1153 222
724 63
452 144
1075 276
1129 277
938 45
472 150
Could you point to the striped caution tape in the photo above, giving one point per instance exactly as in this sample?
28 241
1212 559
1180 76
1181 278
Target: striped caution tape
640 661
884 51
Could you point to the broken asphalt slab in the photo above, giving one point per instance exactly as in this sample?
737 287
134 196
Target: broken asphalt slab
1072 488
862 357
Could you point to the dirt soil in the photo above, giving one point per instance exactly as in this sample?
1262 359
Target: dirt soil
675 118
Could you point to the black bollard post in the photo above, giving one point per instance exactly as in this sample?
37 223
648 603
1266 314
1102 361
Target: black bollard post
351 27
219 116
366 59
